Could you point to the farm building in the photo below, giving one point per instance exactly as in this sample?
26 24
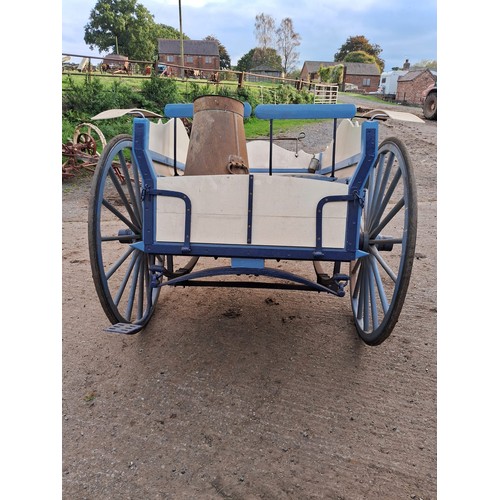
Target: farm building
203 55
362 75
265 71
310 70
412 84
115 62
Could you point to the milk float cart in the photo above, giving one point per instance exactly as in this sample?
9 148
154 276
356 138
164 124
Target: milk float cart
208 208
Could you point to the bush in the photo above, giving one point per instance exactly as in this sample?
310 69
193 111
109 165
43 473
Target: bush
91 97
158 91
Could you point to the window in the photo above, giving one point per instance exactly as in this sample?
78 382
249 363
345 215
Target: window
170 59
208 59
366 82
189 59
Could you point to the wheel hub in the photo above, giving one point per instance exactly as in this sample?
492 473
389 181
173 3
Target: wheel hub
382 244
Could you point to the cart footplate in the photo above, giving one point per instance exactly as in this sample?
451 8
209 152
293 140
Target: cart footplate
124 328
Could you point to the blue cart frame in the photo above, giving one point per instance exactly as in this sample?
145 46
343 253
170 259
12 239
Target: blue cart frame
153 267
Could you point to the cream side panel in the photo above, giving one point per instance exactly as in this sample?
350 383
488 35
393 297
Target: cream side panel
219 209
284 212
161 140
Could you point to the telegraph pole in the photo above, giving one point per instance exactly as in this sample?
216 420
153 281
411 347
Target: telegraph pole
182 40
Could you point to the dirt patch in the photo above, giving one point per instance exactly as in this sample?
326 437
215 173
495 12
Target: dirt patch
251 393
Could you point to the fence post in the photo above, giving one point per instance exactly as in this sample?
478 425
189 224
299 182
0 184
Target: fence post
240 80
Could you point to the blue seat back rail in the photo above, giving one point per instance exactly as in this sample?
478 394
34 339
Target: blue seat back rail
304 112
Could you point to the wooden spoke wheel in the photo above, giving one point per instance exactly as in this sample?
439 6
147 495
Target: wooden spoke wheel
379 280
120 269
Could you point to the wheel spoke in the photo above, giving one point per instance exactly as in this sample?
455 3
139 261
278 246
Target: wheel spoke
397 207
133 286
118 263
134 194
125 280
121 193
120 216
380 287
373 297
377 214
379 189
385 266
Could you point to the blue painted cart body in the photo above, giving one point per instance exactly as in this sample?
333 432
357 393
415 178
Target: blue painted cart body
355 203
354 196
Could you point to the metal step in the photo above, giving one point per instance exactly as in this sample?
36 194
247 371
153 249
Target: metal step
124 328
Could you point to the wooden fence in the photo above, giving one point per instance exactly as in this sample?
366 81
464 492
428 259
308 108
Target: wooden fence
91 66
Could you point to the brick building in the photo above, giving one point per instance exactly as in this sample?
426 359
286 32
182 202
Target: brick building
363 75
412 84
203 55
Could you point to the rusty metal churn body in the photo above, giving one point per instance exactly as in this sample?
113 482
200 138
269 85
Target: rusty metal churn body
217 144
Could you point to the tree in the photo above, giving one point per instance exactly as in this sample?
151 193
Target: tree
225 60
245 61
359 43
287 41
169 32
331 74
265 27
266 57
429 64
124 26
259 57
361 57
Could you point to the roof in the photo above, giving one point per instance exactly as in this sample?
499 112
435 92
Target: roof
266 69
413 74
313 66
191 47
115 57
353 68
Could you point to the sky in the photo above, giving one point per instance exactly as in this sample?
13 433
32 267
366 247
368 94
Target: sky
403 29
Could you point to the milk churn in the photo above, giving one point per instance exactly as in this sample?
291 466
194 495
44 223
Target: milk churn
217 144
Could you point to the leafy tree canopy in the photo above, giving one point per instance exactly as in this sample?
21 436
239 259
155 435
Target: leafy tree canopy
169 32
245 61
361 57
259 57
429 64
356 44
127 28
225 60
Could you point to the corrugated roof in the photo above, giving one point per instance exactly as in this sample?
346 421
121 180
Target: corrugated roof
191 47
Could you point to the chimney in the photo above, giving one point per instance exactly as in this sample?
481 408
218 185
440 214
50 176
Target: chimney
406 65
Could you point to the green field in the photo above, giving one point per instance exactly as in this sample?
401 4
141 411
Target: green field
105 92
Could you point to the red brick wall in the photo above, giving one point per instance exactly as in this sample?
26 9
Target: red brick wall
411 91
359 81
197 62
